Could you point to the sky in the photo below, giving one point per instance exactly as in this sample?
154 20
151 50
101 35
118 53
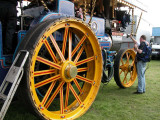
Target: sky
153 15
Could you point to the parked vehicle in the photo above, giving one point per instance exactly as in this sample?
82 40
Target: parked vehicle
155 42
68 56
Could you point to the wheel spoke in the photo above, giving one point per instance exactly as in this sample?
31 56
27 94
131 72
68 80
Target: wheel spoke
79 54
132 62
78 86
57 48
50 51
75 94
70 46
122 61
125 75
65 40
54 94
121 67
47 62
78 45
82 69
85 60
49 80
120 72
61 101
67 95
131 75
43 72
84 79
48 93
128 57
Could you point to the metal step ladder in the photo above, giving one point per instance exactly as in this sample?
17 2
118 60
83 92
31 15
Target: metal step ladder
12 80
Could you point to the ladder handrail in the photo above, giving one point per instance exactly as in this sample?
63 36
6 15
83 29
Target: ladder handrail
13 76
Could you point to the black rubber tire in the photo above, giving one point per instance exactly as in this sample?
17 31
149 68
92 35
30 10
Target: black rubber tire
107 76
116 68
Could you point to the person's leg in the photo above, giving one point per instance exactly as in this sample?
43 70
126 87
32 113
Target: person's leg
144 84
143 70
140 74
10 29
3 20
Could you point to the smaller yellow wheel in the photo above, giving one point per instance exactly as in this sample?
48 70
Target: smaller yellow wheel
125 72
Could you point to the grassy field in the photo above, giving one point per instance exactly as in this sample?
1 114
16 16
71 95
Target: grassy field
113 103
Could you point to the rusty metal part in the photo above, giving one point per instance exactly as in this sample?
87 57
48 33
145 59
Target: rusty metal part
133 22
92 12
84 10
138 23
45 6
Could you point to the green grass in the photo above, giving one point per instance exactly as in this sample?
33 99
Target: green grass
113 103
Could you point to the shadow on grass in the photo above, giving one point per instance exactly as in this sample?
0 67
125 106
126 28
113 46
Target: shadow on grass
18 111
113 89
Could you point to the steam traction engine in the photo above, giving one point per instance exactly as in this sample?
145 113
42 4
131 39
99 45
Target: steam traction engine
67 58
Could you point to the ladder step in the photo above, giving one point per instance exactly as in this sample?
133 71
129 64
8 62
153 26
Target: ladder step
12 76
2 96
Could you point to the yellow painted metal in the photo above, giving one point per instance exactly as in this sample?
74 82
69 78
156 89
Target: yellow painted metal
76 91
84 10
133 22
139 23
43 3
113 8
127 68
92 11
67 73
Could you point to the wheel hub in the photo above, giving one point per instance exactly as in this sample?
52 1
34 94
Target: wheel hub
68 71
124 67
130 68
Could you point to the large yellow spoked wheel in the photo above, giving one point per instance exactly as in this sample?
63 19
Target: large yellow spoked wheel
125 72
63 73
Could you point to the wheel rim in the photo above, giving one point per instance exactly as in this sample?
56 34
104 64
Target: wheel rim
127 68
71 82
